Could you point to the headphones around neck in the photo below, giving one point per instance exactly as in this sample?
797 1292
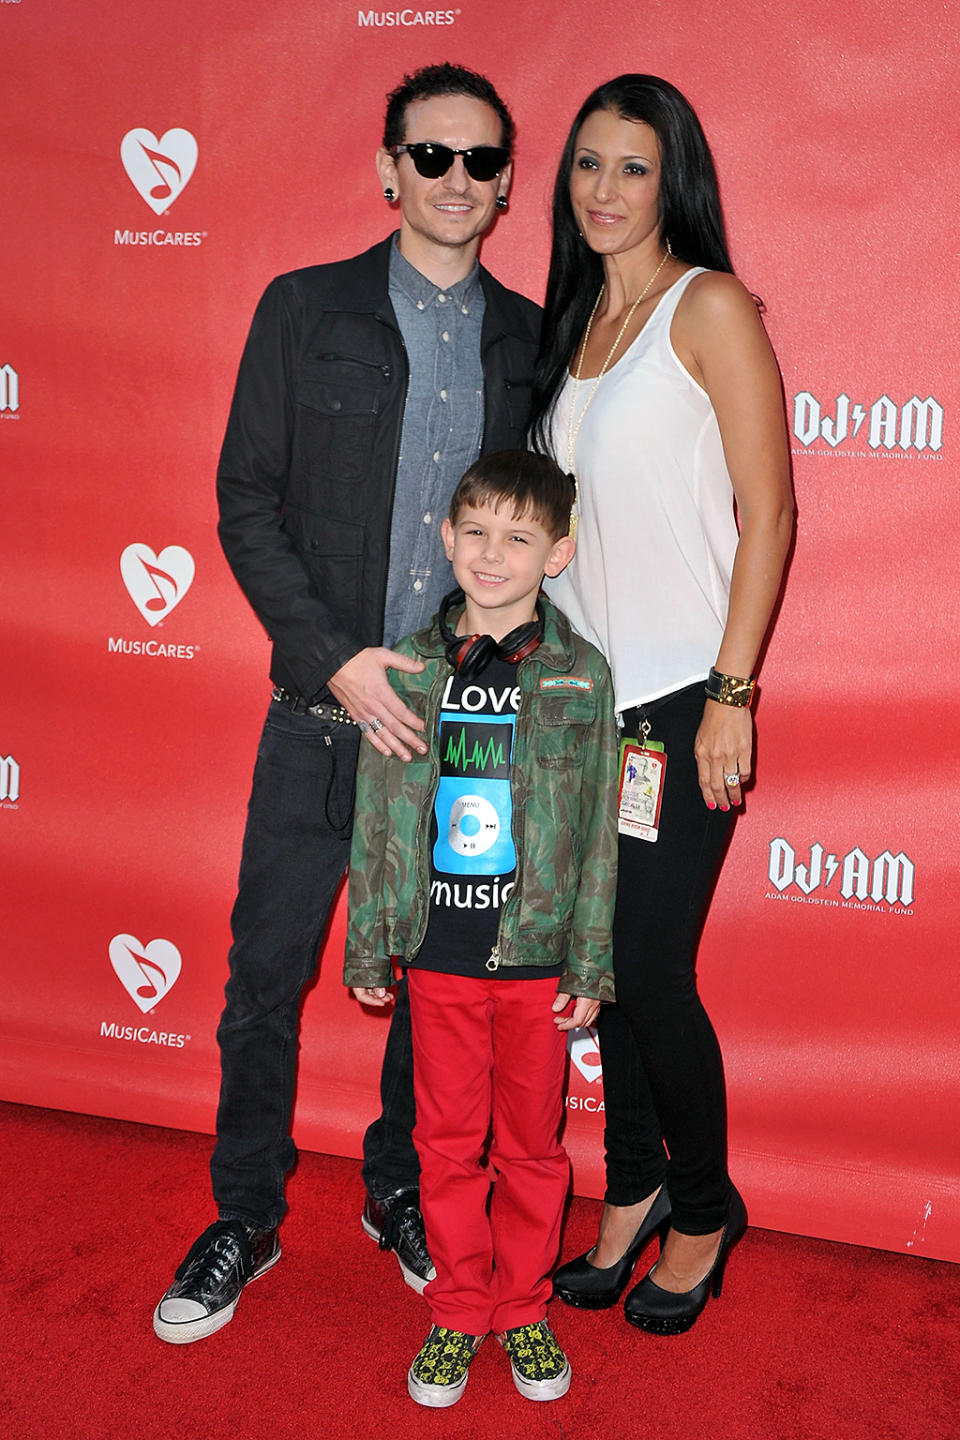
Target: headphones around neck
471 654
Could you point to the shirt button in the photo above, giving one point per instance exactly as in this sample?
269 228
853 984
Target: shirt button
465 309
442 299
436 457
420 305
446 335
418 584
443 394
427 518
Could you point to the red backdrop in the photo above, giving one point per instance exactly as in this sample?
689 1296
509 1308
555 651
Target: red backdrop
133 699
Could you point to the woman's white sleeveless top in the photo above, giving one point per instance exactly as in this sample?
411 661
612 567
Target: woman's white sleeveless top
650 581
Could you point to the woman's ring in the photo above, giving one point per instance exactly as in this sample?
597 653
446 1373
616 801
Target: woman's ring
731 780
376 725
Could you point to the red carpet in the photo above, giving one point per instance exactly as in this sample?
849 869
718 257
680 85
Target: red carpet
809 1341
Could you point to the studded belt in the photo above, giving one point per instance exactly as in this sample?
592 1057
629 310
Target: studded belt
299 706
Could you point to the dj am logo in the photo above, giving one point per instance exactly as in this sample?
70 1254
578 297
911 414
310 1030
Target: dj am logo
156 583
884 428
854 881
159 170
146 972
9 783
585 1056
406 18
9 393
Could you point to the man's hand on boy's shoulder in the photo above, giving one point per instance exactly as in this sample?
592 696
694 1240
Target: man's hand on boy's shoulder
584 1012
363 689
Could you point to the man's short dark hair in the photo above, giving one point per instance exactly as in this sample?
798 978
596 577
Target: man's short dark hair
432 81
530 484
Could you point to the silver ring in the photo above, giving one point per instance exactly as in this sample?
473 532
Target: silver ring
376 725
362 726
731 780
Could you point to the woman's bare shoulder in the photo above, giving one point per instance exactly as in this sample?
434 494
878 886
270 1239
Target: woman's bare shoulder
714 296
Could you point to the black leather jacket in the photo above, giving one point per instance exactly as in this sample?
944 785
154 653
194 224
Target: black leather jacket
307 471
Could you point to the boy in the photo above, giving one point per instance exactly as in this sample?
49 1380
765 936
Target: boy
488 866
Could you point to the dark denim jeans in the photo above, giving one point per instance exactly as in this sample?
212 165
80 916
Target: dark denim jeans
295 851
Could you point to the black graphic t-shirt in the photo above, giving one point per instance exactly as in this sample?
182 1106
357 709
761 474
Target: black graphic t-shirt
473 858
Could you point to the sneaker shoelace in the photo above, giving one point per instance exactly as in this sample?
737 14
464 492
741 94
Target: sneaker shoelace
444 1357
221 1248
535 1352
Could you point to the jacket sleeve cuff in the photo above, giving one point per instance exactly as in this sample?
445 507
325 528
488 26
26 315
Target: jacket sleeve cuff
367 973
595 987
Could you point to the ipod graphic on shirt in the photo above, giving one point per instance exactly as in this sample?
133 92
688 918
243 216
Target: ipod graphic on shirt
472 806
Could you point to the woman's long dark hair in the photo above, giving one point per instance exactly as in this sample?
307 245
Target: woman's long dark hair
690 217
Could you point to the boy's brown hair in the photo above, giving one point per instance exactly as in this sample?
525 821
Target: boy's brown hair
530 484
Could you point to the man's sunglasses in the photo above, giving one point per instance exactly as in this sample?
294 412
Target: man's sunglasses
482 162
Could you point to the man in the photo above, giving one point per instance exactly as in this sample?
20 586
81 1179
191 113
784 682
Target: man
365 390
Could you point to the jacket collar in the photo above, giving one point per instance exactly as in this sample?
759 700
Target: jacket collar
555 650
363 286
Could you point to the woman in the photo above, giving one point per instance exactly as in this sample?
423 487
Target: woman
656 386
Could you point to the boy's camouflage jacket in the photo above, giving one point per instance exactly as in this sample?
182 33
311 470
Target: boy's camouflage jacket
563 778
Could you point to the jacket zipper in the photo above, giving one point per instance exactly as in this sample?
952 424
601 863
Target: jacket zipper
383 369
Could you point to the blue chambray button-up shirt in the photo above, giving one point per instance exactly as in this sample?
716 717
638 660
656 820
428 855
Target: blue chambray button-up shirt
441 436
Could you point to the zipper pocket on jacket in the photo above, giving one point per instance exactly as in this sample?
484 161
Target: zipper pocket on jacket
384 369
494 961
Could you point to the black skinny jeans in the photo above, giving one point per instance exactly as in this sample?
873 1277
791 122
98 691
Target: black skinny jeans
295 851
662 1070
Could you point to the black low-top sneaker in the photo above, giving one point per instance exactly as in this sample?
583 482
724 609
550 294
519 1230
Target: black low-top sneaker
396 1223
204 1295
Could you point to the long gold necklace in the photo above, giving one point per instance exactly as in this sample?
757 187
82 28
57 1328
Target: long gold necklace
574 430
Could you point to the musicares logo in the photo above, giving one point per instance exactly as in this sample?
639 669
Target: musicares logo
156 583
159 170
406 17
146 972
585 1053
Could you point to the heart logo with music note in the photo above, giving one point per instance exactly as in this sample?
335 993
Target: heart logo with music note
159 169
146 972
156 583
582 1045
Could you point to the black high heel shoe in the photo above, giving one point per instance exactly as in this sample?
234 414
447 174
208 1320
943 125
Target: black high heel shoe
664 1313
589 1288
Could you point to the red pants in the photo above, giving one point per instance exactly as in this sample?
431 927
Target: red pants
488 1058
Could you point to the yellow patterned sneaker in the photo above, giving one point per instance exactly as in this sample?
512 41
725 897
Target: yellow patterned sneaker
541 1371
438 1376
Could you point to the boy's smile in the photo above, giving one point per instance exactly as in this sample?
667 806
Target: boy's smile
499 560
